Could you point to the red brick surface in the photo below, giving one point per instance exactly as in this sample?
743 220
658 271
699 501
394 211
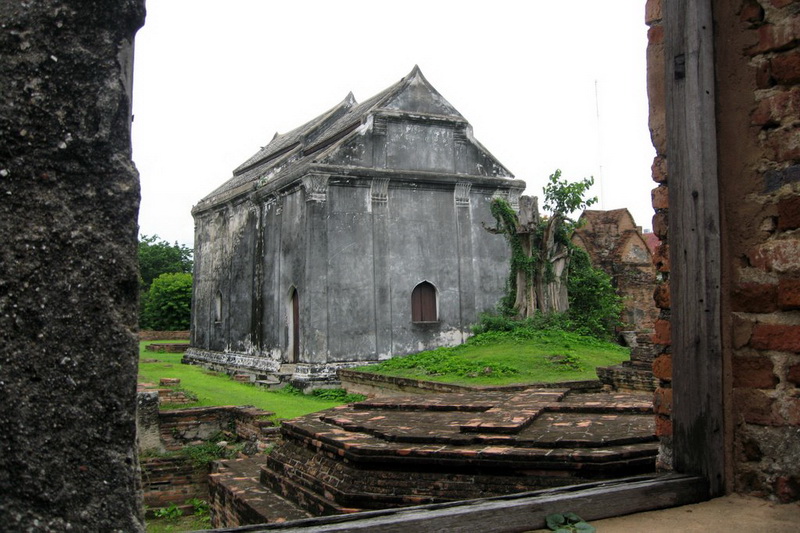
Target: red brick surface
755 298
789 293
793 374
785 67
661 296
754 406
754 372
662 332
662 367
777 337
789 209
660 197
662 401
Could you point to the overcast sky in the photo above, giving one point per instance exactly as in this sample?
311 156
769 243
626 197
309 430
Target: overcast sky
214 81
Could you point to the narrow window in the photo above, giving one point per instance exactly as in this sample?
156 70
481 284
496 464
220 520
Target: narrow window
218 307
423 303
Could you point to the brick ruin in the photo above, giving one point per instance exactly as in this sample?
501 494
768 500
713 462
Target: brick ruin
757 68
410 450
616 245
72 62
169 478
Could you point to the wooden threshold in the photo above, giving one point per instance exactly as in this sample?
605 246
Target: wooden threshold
518 512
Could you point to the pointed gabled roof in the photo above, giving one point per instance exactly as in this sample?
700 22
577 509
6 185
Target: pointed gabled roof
290 153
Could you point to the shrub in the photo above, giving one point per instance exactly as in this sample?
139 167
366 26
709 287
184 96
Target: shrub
594 305
169 303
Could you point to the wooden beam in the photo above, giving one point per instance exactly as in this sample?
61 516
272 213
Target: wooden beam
521 512
694 237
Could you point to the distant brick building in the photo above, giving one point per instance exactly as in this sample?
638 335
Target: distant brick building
616 244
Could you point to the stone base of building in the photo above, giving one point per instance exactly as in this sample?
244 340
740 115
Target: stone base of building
268 372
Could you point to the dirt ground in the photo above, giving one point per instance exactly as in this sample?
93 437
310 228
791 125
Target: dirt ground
729 513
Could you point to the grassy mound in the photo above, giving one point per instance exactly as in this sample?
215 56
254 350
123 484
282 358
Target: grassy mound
509 357
211 388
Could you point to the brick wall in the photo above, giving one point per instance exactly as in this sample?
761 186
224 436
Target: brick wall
172 480
757 68
662 364
149 335
180 427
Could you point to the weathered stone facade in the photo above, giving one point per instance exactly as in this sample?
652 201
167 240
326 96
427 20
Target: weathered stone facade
757 70
320 248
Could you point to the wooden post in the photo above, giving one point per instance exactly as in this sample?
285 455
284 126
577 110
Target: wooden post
694 222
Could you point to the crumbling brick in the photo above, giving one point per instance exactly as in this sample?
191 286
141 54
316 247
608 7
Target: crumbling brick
785 67
662 334
754 297
779 337
789 293
754 372
662 367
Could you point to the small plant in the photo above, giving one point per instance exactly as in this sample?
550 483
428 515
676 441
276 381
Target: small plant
565 362
201 455
172 512
568 523
338 395
201 509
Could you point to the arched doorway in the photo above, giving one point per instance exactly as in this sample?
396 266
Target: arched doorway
294 325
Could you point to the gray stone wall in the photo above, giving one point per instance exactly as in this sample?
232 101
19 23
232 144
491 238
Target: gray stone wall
68 272
354 262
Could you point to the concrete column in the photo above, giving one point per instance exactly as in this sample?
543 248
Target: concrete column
379 194
314 300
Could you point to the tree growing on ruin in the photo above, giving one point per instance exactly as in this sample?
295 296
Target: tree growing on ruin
540 247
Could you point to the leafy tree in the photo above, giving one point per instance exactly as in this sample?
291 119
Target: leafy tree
158 257
540 247
168 303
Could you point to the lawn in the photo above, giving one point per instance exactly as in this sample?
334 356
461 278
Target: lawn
504 358
212 388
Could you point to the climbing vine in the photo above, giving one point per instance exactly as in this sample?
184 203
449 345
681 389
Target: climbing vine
540 247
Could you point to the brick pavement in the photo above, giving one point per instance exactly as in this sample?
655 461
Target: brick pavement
390 452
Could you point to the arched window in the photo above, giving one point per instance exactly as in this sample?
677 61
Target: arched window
218 307
423 303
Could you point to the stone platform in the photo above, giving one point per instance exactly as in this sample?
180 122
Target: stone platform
393 452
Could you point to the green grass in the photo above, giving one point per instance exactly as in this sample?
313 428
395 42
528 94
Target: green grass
504 358
175 525
213 389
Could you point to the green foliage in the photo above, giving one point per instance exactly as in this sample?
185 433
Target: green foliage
202 509
170 513
215 389
202 455
169 303
337 395
535 244
515 352
445 361
158 257
562 197
568 523
594 305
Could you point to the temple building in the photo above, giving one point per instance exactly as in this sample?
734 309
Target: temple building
356 237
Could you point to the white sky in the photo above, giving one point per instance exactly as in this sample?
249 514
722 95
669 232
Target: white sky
214 81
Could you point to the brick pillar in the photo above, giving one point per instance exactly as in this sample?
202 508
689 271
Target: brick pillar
662 365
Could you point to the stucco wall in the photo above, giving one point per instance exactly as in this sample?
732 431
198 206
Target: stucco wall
354 263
